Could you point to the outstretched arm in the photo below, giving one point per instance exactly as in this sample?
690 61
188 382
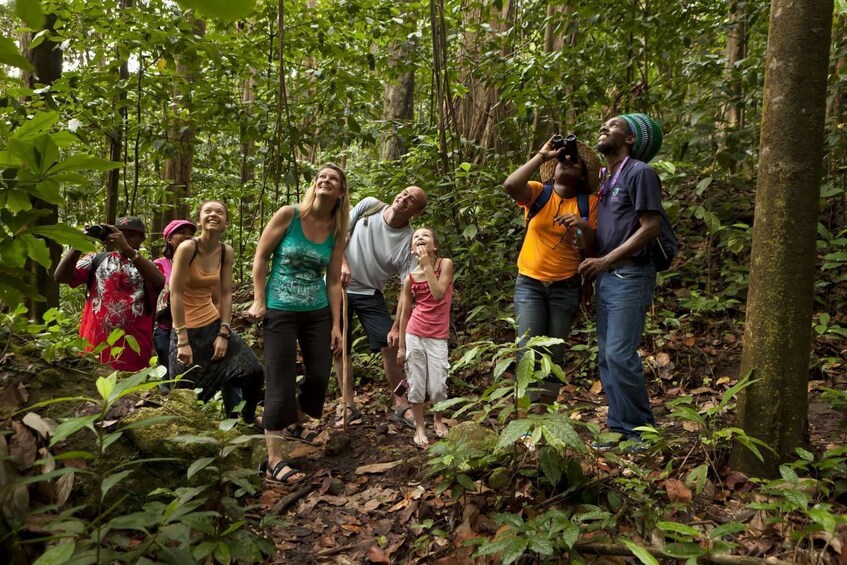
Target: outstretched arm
516 183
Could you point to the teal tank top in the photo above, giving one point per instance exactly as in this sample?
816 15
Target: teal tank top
296 282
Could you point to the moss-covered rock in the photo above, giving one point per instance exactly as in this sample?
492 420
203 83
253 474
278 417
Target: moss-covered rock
499 478
474 435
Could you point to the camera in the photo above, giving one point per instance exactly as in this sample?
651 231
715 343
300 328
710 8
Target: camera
569 145
98 231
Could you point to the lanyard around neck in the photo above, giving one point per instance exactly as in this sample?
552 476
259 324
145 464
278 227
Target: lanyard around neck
611 182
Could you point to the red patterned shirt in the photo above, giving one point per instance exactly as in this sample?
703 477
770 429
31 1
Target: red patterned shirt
118 297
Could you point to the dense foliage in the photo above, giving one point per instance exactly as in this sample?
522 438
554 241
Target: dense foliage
254 95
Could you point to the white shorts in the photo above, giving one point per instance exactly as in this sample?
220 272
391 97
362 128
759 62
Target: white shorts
427 364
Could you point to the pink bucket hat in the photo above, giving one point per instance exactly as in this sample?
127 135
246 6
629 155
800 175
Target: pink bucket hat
175 225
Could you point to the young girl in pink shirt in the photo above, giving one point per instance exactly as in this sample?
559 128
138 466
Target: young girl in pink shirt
424 329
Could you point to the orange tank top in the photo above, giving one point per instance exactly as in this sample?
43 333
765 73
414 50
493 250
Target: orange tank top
200 311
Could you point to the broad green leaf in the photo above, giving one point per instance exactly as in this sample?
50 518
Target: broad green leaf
223 9
513 433
82 163
37 249
48 190
38 124
697 478
551 464
557 428
112 480
470 232
65 235
30 12
13 252
57 554
9 55
106 385
642 554
678 528
71 426
727 529
17 201
199 465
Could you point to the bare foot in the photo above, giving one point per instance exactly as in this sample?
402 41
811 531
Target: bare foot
440 429
421 440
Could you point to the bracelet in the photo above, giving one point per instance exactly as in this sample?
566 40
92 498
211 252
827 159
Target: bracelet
179 329
182 344
223 335
136 257
226 325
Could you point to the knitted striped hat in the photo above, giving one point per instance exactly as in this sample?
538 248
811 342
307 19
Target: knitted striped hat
648 136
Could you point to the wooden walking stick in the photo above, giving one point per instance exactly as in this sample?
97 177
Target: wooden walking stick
344 367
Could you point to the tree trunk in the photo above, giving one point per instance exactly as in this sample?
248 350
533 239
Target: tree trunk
46 60
736 51
178 165
777 337
481 110
116 136
398 109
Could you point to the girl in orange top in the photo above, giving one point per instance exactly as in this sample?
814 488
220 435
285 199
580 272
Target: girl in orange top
558 237
203 346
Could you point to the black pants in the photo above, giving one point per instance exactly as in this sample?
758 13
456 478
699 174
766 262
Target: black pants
283 330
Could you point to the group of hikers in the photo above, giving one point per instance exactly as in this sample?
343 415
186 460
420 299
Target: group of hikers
316 255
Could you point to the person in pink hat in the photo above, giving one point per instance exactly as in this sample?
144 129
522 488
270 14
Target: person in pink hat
174 233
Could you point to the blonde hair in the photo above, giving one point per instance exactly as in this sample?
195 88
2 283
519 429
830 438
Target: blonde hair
341 210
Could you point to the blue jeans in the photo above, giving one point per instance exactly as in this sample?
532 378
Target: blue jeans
548 310
623 296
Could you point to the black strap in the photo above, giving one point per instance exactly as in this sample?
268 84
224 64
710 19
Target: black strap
582 203
95 263
197 248
540 202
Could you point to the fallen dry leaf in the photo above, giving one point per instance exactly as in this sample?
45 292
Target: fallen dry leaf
63 488
377 555
377 467
596 387
22 447
677 491
735 480
662 359
303 450
44 426
371 505
690 426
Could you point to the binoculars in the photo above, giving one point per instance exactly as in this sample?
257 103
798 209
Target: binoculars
569 145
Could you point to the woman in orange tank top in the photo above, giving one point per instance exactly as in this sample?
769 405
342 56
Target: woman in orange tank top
204 349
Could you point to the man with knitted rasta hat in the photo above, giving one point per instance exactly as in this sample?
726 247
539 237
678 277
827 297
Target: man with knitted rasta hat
629 220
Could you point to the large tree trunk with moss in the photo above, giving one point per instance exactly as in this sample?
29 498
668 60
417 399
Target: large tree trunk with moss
181 136
777 336
46 61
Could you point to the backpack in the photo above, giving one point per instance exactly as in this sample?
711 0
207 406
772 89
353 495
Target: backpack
664 248
541 202
373 209
163 303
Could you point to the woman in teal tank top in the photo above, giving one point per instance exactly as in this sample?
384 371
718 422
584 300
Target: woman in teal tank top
306 243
